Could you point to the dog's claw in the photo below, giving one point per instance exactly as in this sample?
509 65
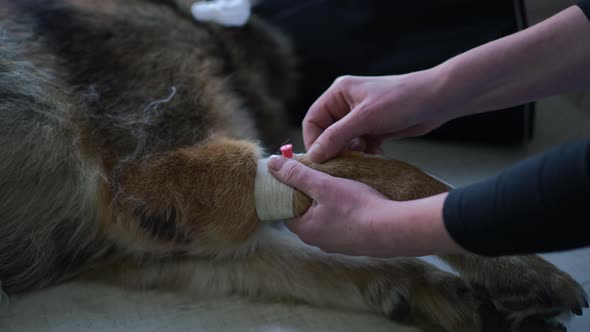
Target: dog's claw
577 311
559 326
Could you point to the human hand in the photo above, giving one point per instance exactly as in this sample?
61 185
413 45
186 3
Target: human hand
349 217
359 113
340 218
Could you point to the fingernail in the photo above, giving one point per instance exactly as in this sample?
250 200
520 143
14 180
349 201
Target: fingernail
316 153
275 163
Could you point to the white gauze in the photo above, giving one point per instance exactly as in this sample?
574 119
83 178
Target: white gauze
274 199
232 13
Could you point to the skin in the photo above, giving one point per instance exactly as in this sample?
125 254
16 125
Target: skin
361 112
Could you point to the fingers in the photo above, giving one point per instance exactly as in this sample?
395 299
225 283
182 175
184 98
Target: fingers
374 144
337 120
359 144
295 174
332 106
368 144
375 150
336 138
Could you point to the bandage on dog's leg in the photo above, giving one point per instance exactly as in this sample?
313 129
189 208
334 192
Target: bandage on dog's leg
394 179
274 199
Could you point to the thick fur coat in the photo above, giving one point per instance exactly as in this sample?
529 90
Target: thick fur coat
129 140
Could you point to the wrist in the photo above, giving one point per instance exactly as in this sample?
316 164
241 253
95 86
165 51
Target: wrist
450 98
466 85
427 216
414 228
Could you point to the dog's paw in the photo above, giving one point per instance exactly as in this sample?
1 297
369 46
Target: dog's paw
534 291
532 324
438 301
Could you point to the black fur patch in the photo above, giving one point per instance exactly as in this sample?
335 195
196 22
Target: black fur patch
117 58
163 225
402 311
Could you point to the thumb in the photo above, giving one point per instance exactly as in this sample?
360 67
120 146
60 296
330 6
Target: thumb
295 174
335 139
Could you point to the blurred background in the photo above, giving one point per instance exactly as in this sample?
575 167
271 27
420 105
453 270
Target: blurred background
379 37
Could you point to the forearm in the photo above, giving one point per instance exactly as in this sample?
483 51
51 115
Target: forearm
538 205
414 227
549 58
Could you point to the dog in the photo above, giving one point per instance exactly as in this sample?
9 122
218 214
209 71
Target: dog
130 136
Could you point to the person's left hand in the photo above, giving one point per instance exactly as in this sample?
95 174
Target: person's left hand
343 215
349 217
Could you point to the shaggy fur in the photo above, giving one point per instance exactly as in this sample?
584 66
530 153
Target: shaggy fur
129 144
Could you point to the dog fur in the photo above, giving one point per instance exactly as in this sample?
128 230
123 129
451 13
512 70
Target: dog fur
130 136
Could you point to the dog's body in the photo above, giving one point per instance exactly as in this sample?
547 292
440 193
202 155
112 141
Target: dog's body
127 133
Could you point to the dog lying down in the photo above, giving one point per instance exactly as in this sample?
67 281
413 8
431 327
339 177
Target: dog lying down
130 138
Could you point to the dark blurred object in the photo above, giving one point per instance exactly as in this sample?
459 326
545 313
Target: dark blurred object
380 37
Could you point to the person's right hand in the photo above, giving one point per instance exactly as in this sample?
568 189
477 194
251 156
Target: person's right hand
359 113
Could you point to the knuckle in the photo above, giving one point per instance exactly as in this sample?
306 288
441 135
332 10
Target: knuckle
330 136
344 81
366 112
307 120
293 172
363 114
323 186
367 116
363 109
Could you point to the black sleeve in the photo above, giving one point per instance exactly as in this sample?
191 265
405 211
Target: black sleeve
539 205
585 6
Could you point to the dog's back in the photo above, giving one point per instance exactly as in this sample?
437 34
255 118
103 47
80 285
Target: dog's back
87 86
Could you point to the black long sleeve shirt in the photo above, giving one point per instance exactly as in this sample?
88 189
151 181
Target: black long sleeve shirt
539 205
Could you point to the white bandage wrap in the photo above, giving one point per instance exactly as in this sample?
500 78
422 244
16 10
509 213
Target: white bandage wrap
274 199
232 13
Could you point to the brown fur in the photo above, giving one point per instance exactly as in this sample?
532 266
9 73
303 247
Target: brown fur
394 179
128 134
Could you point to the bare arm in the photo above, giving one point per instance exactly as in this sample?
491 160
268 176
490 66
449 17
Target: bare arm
547 59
